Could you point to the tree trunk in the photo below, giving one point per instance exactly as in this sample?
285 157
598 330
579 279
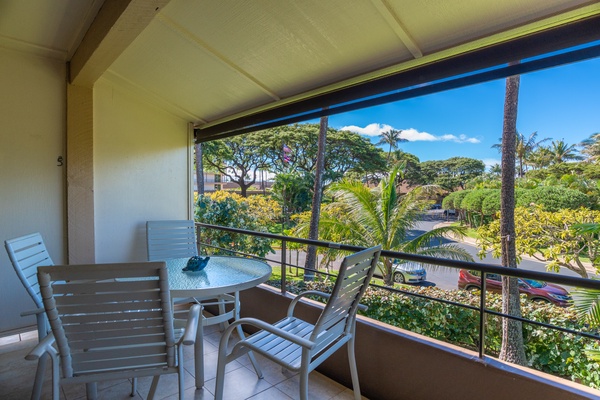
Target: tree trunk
313 232
512 349
199 168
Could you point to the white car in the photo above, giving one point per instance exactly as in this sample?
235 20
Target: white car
406 272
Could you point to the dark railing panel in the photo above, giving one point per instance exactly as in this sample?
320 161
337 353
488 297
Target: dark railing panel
484 268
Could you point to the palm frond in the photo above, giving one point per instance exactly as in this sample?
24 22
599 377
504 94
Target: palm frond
587 305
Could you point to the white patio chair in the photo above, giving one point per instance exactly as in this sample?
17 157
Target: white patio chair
26 253
172 239
111 321
300 346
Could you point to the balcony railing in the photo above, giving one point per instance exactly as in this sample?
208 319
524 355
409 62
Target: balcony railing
483 268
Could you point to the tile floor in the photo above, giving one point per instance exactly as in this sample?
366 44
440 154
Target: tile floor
16 377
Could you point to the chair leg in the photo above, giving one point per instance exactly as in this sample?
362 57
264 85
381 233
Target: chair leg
353 369
250 354
39 377
220 379
153 386
304 383
199 354
133 387
55 379
91 390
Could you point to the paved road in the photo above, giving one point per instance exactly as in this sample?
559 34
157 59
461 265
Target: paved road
447 278
444 278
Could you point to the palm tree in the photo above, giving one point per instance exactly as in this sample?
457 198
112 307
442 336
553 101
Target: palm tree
313 233
524 148
366 217
591 147
561 152
512 349
392 138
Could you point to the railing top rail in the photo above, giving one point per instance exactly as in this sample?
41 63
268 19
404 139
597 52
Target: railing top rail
444 262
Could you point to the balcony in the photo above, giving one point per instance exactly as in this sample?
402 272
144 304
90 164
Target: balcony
17 374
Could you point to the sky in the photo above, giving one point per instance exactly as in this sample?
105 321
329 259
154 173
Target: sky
558 103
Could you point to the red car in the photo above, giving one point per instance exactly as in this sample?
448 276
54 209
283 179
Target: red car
535 290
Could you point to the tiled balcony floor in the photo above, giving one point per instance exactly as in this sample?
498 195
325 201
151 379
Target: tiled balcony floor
17 374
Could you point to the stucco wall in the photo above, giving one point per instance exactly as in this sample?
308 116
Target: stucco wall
32 131
141 169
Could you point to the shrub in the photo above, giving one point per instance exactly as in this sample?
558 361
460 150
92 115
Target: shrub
547 350
553 198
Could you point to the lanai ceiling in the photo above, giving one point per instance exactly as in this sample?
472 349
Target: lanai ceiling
209 61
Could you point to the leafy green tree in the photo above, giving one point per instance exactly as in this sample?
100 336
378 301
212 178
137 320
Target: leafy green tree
227 211
391 137
452 173
472 203
369 216
412 168
293 193
453 202
550 237
239 158
344 152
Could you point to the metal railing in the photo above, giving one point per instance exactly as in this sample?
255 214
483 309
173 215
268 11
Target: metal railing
483 268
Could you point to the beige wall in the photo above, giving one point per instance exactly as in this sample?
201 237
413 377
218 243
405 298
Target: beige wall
32 132
141 166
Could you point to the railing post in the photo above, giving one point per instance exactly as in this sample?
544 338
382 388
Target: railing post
482 315
283 267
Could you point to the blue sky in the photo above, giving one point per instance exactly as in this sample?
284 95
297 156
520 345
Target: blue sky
558 103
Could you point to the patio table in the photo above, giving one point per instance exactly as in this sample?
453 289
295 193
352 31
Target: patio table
222 276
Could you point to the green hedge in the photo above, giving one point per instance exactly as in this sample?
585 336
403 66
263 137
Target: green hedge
547 350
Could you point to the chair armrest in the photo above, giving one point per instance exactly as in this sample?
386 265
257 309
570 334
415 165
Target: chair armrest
191 327
44 346
272 329
32 312
302 295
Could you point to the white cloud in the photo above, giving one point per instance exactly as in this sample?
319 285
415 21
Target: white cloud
411 134
369 130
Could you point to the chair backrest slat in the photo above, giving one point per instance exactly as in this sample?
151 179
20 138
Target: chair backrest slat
26 253
99 323
171 239
354 275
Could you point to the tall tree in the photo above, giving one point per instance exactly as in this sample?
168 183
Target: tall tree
391 137
313 232
524 148
512 349
238 158
561 152
452 173
591 147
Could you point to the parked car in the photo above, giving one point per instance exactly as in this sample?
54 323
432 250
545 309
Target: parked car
406 272
535 290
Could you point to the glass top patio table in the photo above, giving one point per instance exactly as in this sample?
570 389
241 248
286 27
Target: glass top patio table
222 274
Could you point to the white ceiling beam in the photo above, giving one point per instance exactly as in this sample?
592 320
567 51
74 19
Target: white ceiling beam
117 24
217 55
394 22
